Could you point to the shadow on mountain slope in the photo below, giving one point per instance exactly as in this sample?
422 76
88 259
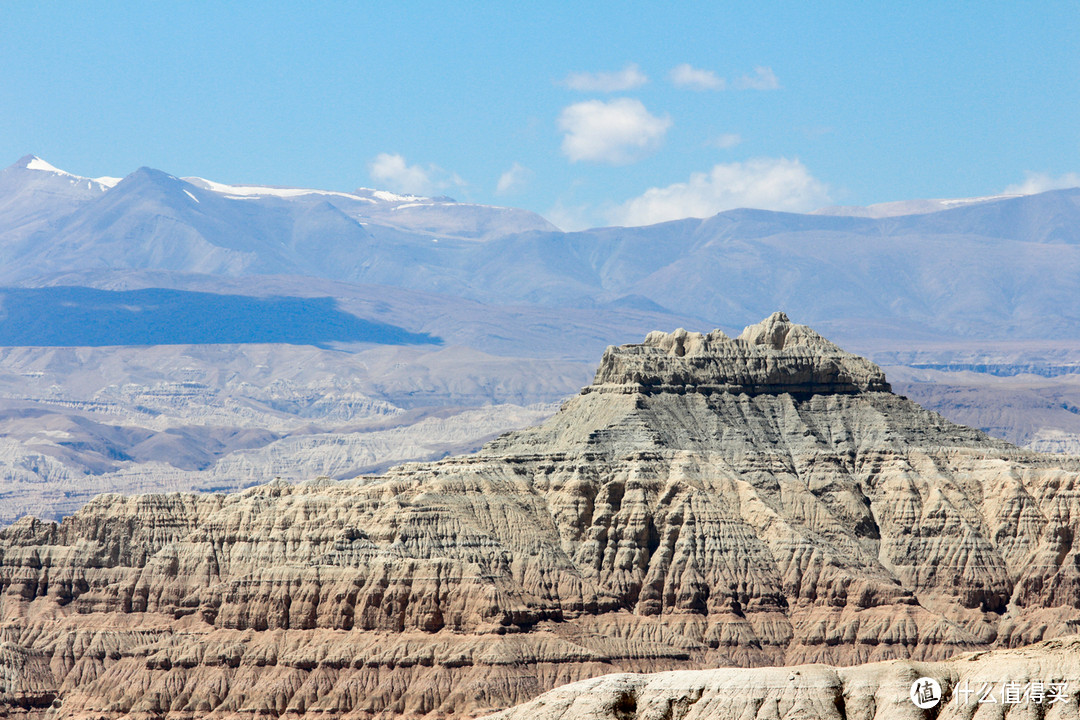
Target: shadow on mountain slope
79 316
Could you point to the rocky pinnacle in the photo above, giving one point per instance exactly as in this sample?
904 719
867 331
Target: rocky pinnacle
773 357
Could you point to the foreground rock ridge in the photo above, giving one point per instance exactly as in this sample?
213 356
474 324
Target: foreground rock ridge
707 501
1036 681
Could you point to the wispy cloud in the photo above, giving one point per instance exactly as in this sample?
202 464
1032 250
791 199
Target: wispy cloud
765 183
763 79
1036 182
513 180
392 172
628 78
618 132
688 76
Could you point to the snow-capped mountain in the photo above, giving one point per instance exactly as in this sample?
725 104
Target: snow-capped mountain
33 162
51 220
441 217
33 194
154 220
199 225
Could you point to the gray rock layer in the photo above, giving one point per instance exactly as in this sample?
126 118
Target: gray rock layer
633 531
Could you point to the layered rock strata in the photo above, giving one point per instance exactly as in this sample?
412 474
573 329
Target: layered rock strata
770 358
763 500
1038 681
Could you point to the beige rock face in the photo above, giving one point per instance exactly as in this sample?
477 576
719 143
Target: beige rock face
1038 681
706 502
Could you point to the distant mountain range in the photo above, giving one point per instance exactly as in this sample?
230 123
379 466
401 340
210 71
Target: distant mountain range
1001 268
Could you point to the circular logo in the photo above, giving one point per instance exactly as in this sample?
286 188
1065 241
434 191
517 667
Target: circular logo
925 693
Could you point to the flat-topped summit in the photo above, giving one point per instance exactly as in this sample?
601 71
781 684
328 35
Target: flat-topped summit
771 357
715 502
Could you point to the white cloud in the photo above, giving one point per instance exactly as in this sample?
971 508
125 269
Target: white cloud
1041 182
391 171
514 179
570 218
628 78
725 141
688 76
765 183
620 131
762 79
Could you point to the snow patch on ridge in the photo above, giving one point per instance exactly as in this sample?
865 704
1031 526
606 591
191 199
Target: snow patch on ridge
33 162
250 191
387 196
37 163
237 192
908 207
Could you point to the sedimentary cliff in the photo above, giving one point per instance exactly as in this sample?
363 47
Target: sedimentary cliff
708 501
1037 681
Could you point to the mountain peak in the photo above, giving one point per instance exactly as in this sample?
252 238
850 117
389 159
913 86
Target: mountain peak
772 357
772 331
33 162
148 176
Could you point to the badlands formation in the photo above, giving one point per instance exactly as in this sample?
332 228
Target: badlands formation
1038 682
707 502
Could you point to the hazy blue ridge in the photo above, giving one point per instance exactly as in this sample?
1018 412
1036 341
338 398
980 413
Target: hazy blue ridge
1007 267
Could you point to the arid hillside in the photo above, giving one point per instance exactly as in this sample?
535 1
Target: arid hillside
707 501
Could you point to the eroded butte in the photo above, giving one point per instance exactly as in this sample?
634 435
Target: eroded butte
758 501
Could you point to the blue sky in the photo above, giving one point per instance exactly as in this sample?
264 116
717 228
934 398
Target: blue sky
606 113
